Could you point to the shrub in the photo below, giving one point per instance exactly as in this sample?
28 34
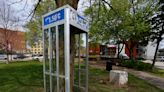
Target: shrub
135 64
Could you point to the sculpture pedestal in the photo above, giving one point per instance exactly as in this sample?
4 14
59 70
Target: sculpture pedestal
118 77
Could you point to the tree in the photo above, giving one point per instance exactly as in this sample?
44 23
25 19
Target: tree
34 26
157 25
72 3
8 20
122 21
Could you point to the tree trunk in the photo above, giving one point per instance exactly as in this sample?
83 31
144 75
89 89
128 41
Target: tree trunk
131 53
158 42
7 61
74 4
118 50
7 52
129 50
72 54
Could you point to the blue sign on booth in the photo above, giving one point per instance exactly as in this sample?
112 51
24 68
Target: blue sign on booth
54 17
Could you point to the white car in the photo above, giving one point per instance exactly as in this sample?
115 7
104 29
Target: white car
3 57
37 57
162 58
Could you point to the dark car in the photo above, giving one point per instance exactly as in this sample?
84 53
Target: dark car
21 56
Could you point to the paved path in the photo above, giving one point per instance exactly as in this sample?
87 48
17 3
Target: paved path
153 80
158 64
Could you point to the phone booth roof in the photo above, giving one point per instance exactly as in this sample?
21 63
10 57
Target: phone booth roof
65 14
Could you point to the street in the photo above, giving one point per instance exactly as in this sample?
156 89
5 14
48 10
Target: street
25 59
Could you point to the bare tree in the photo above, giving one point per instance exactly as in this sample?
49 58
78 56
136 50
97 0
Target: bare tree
8 20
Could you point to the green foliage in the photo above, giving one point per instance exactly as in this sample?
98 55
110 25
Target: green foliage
119 22
122 22
137 64
94 45
34 32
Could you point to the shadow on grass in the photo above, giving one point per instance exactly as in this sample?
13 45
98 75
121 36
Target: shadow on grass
20 82
21 76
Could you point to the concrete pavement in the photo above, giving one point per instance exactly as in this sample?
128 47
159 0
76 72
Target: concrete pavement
158 64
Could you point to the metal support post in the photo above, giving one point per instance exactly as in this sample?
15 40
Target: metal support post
44 77
87 62
57 57
50 60
67 50
79 63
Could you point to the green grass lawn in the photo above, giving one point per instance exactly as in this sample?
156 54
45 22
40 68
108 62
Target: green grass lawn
157 72
21 77
28 77
134 84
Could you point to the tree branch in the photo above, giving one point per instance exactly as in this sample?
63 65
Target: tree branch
33 11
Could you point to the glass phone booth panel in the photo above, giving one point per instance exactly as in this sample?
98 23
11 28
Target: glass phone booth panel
54 69
80 64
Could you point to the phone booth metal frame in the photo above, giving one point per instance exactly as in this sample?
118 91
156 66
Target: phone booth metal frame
52 23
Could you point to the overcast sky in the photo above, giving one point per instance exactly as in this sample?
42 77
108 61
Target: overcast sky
20 9
23 9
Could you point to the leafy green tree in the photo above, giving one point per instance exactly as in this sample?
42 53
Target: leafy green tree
122 21
34 32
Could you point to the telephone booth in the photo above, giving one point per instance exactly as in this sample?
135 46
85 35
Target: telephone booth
65 42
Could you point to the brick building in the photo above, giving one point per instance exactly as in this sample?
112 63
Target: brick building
15 40
37 48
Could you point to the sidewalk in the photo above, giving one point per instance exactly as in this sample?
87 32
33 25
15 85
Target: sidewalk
153 80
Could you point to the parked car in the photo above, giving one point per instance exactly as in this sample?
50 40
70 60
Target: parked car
162 58
3 57
37 57
14 56
21 56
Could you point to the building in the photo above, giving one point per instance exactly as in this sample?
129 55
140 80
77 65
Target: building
37 48
13 41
